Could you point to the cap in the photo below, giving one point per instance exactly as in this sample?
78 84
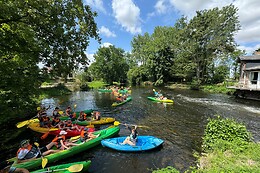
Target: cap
23 142
62 132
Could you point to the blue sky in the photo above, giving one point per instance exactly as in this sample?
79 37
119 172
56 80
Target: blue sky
120 20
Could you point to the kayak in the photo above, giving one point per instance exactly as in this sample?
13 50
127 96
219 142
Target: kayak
65 168
36 163
103 120
144 143
105 90
53 131
129 98
159 100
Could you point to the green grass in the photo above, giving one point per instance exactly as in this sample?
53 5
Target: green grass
96 84
217 89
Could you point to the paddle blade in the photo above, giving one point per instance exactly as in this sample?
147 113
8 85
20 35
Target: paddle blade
61 112
116 123
44 162
74 138
21 124
75 168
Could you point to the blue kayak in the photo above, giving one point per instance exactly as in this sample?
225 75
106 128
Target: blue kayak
144 143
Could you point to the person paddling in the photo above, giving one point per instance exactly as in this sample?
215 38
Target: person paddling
132 138
27 151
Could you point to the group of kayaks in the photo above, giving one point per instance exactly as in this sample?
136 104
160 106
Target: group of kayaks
104 137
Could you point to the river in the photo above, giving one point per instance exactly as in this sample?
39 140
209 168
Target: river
181 125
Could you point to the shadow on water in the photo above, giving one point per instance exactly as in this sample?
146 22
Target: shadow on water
180 125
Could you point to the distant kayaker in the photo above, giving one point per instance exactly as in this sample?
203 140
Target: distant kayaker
27 151
132 138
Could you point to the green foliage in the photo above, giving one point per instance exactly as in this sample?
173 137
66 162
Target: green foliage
168 169
137 75
219 88
97 84
219 130
110 65
59 90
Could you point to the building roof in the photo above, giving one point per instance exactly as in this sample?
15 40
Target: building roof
253 68
247 58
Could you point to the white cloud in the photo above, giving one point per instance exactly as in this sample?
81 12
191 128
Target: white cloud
106 44
249 16
127 15
105 31
160 7
98 4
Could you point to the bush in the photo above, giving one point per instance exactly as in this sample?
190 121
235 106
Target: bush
219 130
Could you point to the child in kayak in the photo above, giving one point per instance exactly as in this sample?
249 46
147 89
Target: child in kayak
60 141
87 134
132 138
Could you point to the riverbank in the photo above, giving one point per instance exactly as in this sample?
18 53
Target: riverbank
218 88
227 147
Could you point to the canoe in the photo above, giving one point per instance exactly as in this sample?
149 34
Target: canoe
53 131
129 98
159 100
105 90
63 168
36 163
103 120
144 143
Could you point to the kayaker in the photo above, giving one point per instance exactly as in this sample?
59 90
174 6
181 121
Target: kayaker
132 138
60 141
55 121
68 111
27 151
56 113
70 126
82 116
96 115
87 134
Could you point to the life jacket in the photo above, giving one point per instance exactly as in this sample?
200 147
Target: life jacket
69 124
33 152
45 119
57 139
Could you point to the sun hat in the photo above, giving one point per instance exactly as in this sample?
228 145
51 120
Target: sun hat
23 142
62 132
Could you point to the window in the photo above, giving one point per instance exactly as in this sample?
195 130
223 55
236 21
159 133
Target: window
254 77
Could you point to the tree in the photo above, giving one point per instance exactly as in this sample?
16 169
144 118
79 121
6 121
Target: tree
53 32
207 41
110 64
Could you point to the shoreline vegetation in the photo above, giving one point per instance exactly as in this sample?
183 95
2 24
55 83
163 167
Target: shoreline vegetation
227 147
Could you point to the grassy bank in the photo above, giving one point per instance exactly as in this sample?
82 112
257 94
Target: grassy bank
218 88
227 147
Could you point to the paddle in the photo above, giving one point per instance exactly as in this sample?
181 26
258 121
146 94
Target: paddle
116 123
44 160
24 123
72 168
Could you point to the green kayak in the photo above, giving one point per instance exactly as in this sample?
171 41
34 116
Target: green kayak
103 120
67 168
159 100
129 98
36 163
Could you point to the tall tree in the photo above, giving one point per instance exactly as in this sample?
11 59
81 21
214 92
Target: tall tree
55 32
211 35
110 64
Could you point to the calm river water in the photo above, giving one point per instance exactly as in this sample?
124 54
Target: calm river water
180 125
